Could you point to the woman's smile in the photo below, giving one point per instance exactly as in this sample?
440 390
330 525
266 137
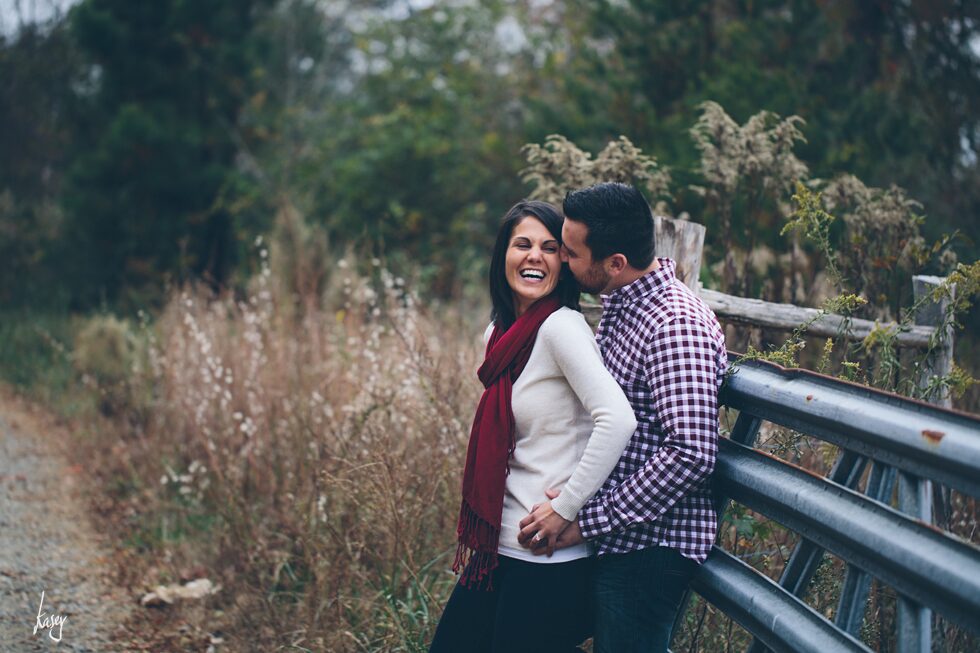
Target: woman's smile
533 276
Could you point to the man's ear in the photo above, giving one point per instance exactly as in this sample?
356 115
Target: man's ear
615 264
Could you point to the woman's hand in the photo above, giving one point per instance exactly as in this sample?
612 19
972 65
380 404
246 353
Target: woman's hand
542 527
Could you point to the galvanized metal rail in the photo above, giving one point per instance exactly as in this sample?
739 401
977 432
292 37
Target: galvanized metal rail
916 437
780 620
929 568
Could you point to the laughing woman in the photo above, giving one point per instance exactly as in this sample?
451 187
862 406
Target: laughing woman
551 416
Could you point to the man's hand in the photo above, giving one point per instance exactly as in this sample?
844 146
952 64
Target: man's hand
541 528
569 537
544 520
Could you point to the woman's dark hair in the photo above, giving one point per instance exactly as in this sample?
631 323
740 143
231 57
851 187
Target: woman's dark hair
500 291
618 219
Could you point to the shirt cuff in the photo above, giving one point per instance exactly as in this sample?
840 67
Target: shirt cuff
592 519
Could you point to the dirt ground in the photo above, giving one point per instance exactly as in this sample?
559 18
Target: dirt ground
59 535
49 544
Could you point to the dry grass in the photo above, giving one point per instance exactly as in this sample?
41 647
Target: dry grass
307 459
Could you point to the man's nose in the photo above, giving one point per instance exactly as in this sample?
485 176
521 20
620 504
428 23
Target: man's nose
563 254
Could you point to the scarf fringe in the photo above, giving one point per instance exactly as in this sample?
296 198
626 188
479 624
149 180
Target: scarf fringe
476 553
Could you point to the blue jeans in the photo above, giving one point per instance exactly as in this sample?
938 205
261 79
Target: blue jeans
637 596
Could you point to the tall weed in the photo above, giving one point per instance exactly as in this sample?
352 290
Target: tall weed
308 459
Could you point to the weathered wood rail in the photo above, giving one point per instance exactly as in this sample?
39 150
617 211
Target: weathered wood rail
683 241
786 317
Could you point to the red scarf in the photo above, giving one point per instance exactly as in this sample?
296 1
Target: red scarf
492 441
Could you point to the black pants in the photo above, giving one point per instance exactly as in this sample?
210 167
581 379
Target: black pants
533 607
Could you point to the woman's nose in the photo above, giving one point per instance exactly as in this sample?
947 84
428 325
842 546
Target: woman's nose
534 254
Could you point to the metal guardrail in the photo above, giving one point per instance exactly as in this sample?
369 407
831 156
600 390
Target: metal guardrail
913 436
781 620
929 568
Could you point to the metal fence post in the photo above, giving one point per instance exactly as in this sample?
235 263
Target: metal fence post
857 583
914 622
807 556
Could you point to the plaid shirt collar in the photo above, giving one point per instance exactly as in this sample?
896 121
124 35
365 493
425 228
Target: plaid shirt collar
651 282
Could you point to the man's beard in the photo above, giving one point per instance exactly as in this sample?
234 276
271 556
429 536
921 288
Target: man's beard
594 281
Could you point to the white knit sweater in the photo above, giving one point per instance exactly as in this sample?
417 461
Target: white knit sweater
573 422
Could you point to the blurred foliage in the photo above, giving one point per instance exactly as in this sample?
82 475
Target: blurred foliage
104 349
153 143
104 355
887 90
35 356
559 166
39 68
746 172
419 157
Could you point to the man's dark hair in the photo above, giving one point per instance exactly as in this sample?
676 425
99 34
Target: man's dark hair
503 314
618 218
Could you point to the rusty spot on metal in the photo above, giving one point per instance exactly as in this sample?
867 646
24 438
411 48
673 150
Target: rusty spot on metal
932 437
809 397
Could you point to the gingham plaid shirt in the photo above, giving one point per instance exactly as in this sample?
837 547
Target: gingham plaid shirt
666 349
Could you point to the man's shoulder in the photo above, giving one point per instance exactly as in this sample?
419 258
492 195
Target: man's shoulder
675 308
691 307
677 302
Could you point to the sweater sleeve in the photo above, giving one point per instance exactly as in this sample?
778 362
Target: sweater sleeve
573 347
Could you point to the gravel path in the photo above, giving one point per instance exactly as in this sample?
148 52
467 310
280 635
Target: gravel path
48 543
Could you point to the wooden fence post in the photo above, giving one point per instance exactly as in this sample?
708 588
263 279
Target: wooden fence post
940 360
915 495
682 241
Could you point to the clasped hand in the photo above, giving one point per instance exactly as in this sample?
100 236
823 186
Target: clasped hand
544 530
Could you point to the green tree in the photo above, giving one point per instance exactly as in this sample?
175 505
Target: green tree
38 65
156 146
